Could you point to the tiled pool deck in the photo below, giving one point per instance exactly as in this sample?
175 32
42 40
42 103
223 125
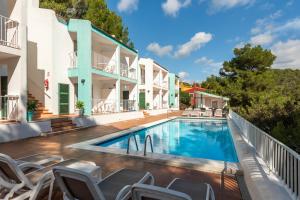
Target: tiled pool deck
225 186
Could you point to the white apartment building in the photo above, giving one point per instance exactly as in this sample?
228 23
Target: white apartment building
153 85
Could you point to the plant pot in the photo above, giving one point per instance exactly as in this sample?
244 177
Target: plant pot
30 115
81 112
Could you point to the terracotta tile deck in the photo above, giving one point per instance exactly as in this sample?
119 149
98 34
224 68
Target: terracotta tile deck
225 186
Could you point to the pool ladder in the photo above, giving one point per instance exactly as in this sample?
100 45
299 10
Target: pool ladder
148 137
128 143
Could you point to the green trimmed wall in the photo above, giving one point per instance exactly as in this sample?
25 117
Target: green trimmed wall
171 90
83 28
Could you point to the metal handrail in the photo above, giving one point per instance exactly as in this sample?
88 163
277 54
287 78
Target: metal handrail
145 144
128 143
280 159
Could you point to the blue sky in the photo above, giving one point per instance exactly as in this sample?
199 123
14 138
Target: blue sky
192 38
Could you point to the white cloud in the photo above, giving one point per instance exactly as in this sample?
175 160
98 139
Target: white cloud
159 50
172 7
287 54
195 43
128 5
218 5
290 3
208 62
267 31
183 75
262 39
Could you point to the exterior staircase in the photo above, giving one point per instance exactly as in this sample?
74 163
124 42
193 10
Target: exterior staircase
62 125
41 111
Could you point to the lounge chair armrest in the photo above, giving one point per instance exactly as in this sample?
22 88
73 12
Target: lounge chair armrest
124 193
152 191
41 158
26 165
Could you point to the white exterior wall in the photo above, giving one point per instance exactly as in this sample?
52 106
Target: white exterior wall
17 65
50 45
155 97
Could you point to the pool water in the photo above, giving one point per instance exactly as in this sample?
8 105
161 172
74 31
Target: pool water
193 138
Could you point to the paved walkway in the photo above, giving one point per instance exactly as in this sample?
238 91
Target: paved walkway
225 186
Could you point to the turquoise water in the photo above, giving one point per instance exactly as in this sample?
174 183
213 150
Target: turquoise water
209 139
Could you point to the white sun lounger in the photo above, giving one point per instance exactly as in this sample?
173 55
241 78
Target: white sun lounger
178 189
77 184
22 185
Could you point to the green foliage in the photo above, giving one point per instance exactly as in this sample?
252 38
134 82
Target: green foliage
249 58
269 98
80 105
31 106
94 10
185 98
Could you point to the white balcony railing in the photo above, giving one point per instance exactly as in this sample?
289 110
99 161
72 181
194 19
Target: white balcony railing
127 105
280 159
165 105
9 107
103 106
104 63
73 59
127 72
9 32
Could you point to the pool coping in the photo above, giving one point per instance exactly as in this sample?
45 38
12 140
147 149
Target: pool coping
199 164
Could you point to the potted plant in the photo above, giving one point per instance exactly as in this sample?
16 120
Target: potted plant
31 108
80 106
147 106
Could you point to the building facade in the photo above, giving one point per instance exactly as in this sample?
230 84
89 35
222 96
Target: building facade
57 63
153 85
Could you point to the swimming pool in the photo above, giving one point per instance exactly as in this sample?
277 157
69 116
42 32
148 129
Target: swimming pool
192 138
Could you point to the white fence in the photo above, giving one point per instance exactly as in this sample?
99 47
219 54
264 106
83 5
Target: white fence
9 32
104 63
9 107
127 72
280 159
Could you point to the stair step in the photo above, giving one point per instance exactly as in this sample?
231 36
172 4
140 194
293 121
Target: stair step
65 128
62 124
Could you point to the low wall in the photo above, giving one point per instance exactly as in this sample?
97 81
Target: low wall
260 181
17 131
106 118
157 112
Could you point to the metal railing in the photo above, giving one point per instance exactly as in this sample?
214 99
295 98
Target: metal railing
9 30
127 72
148 137
9 107
127 105
104 63
73 59
103 106
128 143
280 159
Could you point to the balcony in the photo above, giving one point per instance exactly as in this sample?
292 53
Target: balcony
101 106
127 72
104 63
9 30
127 105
